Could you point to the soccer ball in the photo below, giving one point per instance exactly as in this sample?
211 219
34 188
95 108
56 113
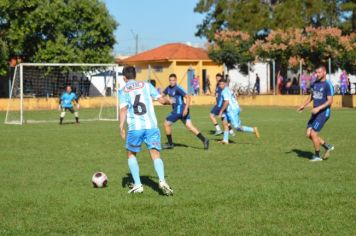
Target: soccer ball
99 180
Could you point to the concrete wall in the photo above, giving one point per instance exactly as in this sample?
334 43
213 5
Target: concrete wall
240 80
261 100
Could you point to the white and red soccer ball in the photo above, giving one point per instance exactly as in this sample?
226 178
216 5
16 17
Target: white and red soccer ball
99 180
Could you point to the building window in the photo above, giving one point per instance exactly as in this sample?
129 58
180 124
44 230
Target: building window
158 68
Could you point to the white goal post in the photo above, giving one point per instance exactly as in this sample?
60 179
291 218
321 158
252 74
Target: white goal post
37 87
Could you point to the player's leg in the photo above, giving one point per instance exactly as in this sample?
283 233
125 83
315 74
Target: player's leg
171 118
153 142
213 113
62 115
76 114
189 125
226 125
316 142
133 145
319 123
236 123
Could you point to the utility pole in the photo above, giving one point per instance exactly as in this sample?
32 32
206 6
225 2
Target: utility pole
136 41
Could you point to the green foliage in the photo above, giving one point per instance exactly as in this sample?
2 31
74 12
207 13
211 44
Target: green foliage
58 30
231 48
256 17
249 187
3 57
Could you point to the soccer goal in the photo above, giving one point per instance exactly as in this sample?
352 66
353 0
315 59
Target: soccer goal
37 87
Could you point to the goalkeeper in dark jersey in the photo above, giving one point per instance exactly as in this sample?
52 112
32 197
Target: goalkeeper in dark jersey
66 103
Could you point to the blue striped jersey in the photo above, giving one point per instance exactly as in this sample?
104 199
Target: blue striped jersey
228 95
137 97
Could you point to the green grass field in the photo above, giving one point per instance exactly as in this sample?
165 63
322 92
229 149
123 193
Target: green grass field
255 187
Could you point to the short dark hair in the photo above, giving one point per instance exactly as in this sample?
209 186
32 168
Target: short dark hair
218 75
223 80
173 75
129 72
321 67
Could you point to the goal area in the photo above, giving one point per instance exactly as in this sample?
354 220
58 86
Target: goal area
37 87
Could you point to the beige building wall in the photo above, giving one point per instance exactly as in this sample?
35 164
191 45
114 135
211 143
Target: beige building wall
161 70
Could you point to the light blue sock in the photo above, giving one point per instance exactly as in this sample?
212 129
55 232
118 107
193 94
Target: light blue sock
135 169
247 129
226 136
159 167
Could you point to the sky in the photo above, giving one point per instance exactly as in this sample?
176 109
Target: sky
156 22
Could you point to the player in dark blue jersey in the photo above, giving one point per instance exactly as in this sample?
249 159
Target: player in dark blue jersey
180 102
217 108
322 93
66 103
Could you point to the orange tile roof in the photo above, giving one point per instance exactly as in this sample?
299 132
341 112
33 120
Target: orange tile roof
171 51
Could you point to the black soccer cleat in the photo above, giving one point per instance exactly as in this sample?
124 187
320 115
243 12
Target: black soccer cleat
168 146
206 144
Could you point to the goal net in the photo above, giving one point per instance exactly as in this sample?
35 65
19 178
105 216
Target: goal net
37 88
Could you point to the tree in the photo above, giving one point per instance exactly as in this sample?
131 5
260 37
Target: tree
231 48
348 18
260 16
312 46
249 16
57 30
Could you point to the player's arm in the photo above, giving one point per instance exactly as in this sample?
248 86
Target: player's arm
76 101
306 103
60 103
224 106
187 104
163 99
123 114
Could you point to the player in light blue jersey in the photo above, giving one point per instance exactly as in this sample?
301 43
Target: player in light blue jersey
231 109
216 109
136 107
66 103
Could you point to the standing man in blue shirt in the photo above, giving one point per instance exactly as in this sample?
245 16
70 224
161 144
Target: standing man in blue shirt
180 102
322 93
66 103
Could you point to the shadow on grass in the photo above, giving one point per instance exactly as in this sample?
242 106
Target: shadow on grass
301 153
127 181
230 141
69 123
181 145
212 132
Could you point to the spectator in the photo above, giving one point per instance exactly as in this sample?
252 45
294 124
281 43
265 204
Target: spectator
304 83
207 85
196 85
279 83
349 85
343 82
86 86
288 86
257 84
